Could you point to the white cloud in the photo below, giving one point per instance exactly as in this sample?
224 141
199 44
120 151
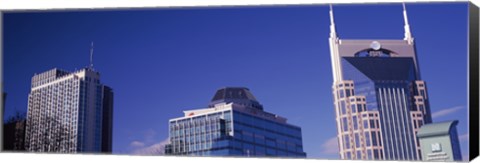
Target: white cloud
330 146
446 111
149 136
155 149
137 144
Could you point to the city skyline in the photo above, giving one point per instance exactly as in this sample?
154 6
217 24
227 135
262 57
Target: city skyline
251 45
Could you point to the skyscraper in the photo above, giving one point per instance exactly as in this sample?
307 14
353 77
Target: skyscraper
379 98
69 112
234 124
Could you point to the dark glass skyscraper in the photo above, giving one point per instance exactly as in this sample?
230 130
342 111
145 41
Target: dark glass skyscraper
380 99
107 120
234 124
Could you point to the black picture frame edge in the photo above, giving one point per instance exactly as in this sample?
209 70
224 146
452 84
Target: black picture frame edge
474 68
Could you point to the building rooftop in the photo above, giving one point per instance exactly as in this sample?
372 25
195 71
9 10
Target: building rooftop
436 129
237 95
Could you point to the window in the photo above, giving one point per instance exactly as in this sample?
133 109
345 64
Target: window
346 139
345 124
359 155
379 139
369 154
357 140
259 139
422 92
421 108
271 152
355 122
343 108
367 138
376 154
270 143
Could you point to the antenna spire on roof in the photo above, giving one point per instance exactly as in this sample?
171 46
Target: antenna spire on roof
408 34
333 32
91 56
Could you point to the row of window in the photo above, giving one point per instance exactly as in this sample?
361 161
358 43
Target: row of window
265 123
268 132
371 154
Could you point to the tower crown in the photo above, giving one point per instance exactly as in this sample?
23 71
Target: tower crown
238 95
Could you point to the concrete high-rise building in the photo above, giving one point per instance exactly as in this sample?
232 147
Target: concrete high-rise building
69 112
439 141
380 100
234 124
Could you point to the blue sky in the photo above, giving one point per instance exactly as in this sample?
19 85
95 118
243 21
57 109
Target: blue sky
163 61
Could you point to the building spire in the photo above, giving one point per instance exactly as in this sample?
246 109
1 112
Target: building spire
408 34
333 32
91 56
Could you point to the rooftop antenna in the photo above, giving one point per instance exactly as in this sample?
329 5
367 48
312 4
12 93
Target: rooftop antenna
91 56
333 32
408 34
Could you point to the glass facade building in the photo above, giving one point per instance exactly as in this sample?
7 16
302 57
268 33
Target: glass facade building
69 113
234 124
379 97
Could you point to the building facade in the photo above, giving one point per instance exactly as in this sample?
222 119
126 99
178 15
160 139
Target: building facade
439 141
69 112
234 124
380 100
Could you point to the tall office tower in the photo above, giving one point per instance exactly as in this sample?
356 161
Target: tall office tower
234 124
379 97
69 112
